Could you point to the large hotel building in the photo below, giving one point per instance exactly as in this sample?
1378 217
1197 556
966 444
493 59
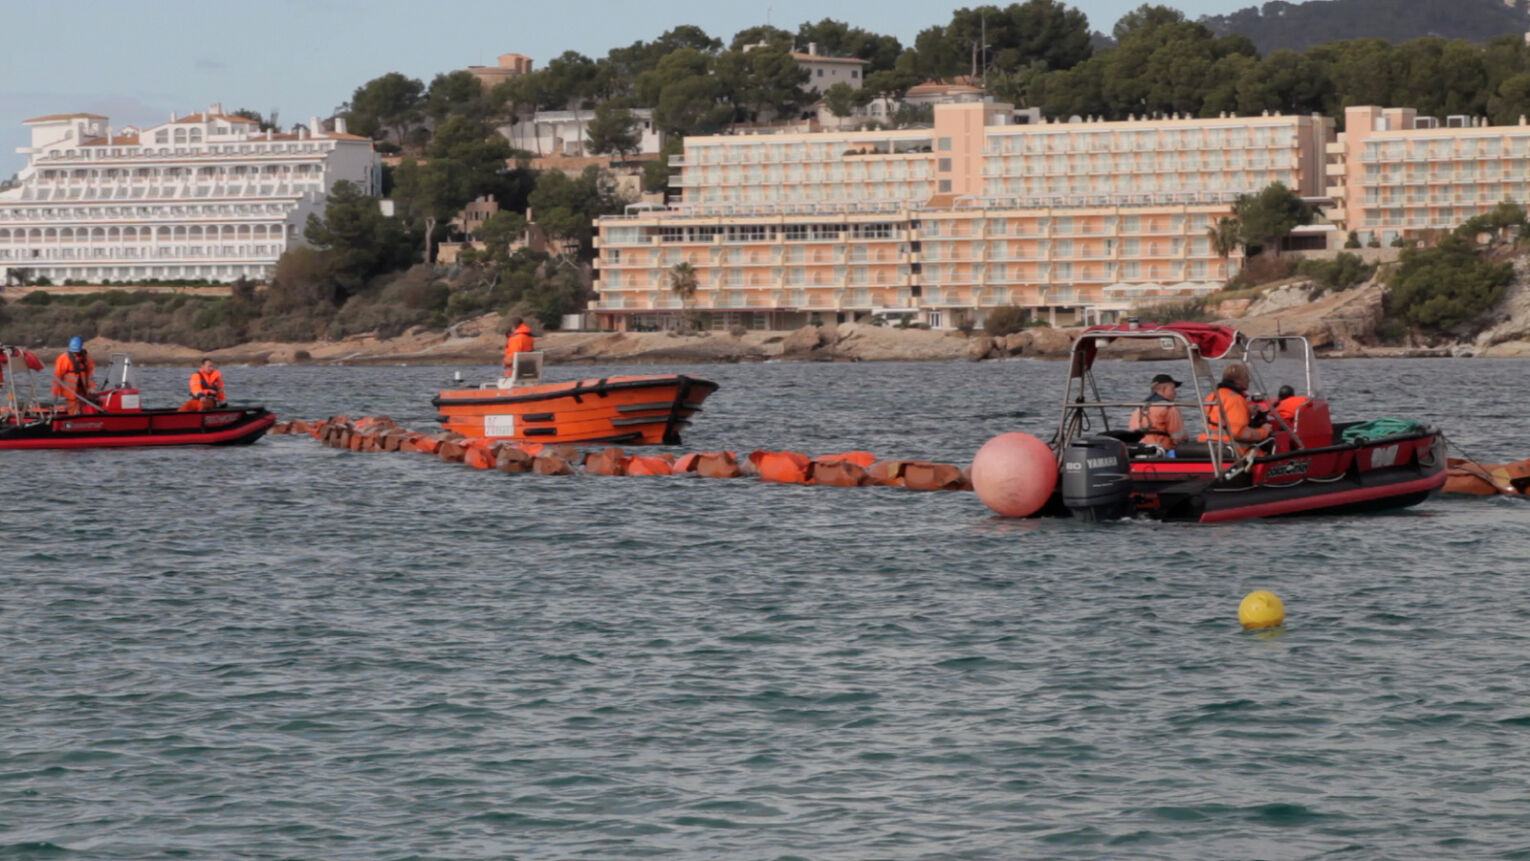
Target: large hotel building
1073 221
206 196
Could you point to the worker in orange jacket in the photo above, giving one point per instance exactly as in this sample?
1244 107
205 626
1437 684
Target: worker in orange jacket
1161 425
74 376
1228 416
207 386
518 341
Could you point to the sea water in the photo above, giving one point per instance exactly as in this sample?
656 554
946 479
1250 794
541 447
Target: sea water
289 651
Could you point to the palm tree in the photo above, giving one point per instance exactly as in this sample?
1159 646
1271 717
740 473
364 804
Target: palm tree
682 282
1224 238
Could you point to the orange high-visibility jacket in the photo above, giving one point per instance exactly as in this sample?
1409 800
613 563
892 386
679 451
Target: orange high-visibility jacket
73 374
1227 417
1287 408
519 341
210 383
1163 425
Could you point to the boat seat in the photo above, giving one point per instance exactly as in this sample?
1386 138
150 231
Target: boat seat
525 370
1313 426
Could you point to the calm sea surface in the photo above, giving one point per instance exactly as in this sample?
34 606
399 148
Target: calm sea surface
287 651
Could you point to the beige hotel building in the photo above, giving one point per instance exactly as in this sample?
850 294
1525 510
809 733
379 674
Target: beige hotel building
1074 221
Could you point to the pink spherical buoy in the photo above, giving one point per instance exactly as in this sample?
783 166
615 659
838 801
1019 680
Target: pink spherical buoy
1014 474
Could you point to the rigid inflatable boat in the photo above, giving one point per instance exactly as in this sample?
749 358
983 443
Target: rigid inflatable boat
648 410
113 417
1308 465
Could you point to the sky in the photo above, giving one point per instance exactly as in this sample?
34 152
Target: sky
138 62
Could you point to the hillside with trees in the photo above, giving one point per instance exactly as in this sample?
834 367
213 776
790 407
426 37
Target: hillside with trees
1280 25
363 270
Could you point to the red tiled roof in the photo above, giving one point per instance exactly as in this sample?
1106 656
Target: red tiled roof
119 140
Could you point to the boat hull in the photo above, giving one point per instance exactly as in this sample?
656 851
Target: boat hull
1396 472
232 426
630 410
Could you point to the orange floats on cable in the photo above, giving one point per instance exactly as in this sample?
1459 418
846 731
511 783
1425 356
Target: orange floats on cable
862 459
643 464
1014 474
710 464
611 461
783 467
836 471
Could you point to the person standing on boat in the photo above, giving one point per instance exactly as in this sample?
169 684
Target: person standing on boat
207 385
74 375
1162 425
1228 415
518 341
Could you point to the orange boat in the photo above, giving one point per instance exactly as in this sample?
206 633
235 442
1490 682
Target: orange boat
633 410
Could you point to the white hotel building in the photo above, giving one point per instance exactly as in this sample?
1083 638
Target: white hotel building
207 196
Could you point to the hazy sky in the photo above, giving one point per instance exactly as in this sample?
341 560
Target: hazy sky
137 62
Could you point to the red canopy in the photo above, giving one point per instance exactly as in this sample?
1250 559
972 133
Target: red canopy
1212 341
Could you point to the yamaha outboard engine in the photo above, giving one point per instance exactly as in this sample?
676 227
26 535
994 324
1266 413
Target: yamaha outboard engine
1097 479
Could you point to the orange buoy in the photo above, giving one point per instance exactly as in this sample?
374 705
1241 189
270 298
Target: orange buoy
1014 474
479 457
838 473
784 467
924 475
642 464
710 464
862 459
887 473
611 461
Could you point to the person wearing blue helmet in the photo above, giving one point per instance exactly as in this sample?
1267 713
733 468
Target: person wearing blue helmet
74 376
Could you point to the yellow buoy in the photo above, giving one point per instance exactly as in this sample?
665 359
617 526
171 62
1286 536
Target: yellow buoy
1261 609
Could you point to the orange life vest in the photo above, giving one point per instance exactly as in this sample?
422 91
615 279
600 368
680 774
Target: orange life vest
1159 420
1227 418
72 374
210 383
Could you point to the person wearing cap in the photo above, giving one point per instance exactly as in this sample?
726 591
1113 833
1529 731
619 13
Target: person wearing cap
1158 418
74 376
1229 417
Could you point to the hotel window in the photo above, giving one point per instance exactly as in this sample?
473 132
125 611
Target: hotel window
944 186
944 165
943 144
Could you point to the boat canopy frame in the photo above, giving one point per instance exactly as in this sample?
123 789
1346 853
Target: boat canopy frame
1193 341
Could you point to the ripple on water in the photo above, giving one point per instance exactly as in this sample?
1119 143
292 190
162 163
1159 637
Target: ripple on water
358 656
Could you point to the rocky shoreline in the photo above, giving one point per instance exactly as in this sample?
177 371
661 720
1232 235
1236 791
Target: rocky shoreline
1340 325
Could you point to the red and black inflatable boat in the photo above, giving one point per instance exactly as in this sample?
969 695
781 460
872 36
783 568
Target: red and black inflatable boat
1307 465
112 418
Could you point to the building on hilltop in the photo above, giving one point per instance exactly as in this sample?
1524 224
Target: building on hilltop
206 196
825 71
1075 221
566 133
508 66
1397 175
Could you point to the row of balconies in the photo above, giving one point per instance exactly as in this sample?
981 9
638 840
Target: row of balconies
1022 275
1133 147
104 256
992 169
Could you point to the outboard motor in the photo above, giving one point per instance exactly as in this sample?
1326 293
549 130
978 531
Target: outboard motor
1097 479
